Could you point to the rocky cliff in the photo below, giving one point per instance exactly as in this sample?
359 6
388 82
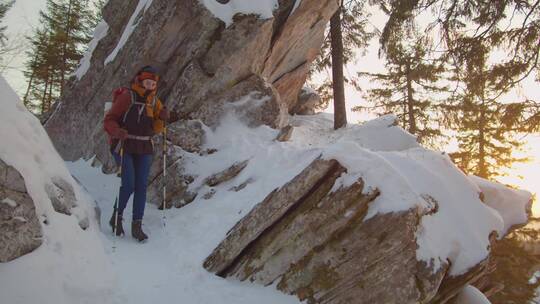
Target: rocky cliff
254 65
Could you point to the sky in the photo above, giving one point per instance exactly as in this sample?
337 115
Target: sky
24 17
20 20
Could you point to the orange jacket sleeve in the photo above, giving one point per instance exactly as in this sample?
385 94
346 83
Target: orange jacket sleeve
159 125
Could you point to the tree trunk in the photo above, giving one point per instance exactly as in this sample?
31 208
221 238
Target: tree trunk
44 97
50 99
25 98
482 170
338 82
64 49
410 101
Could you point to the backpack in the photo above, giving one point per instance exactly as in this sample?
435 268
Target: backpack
119 91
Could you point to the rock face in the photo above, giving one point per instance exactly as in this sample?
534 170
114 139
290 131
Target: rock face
512 275
226 174
311 240
253 67
61 195
188 135
285 134
308 102
20 231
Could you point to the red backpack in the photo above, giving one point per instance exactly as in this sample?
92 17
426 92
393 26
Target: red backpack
122 90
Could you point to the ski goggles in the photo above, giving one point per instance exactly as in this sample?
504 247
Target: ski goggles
147 75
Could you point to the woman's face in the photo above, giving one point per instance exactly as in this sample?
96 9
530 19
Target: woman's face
149 84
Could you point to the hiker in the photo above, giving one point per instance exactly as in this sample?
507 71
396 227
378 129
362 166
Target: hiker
135 116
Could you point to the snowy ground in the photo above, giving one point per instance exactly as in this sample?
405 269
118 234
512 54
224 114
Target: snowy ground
167 268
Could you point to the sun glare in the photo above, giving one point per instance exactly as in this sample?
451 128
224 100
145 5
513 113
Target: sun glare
526 176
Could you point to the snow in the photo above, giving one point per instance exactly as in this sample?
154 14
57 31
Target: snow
100 32
512 204
130 27
9 202
225 12
309 90
168 268
70 266
19 218
296 5
534 279
471 295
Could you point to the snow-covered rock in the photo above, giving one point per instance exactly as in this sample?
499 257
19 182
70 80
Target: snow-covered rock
99 33
264 9
20 231
43 206
470 295
426 222
513 205
308 102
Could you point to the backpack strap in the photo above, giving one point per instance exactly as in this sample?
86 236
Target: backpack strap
154 102
133 100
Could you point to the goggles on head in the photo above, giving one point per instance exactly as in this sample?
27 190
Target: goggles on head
147 75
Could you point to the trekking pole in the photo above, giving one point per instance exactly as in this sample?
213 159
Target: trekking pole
115 210
164 171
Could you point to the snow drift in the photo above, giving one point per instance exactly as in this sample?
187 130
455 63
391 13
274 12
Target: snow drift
70 266
513 205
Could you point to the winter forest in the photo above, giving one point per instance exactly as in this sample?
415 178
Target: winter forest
300 151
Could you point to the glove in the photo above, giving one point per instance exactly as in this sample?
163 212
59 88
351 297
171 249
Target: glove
164 114
119 133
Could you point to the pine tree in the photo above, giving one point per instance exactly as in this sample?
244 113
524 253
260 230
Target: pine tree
487 129
507 25
4 47
40 69
409 89
4 7
56 50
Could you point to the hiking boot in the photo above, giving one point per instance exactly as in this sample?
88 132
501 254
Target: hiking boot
116 225
136 231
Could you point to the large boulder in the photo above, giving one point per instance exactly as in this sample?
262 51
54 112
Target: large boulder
257 65
20 231
311 240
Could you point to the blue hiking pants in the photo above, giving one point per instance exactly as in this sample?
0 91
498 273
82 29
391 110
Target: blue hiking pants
135 171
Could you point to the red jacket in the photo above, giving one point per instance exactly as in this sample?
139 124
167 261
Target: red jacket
115 116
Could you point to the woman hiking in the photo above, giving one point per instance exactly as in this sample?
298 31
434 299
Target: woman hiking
135 116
